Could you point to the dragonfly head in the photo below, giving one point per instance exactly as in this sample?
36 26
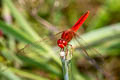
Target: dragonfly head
61 43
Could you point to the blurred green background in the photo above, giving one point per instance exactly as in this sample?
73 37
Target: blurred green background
35 22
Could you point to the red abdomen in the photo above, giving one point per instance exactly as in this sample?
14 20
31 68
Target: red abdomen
80 22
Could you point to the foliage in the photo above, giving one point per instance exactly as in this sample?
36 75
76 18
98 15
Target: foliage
35 22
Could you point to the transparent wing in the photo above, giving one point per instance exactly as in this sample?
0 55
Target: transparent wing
28 48
82 45
86 55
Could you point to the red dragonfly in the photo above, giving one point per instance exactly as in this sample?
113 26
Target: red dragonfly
67 35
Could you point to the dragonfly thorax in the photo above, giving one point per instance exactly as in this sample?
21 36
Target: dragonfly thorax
62 43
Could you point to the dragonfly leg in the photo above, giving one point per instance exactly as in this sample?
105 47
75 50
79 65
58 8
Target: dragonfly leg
71 50
66 51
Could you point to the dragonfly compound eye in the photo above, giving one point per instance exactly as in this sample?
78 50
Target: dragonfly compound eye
61 43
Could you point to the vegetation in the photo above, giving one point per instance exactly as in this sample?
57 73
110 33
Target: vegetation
28 49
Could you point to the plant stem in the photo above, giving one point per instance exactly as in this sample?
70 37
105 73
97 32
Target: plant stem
66 66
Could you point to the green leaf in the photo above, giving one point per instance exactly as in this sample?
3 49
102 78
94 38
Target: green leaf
40 65
8 73
21 20
27 74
